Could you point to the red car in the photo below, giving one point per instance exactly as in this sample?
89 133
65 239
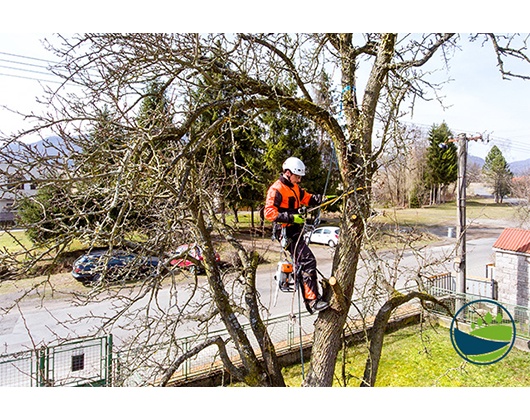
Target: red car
183 254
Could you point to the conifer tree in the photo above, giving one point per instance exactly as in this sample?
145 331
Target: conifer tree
154 110
498 174
236 153
254 73
288 134
442 164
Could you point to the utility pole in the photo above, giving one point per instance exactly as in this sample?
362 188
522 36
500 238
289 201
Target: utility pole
460 259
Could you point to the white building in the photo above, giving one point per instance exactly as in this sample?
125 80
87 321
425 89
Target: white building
19 170
11 187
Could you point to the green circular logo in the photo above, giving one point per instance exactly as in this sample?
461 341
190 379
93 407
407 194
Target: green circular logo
491 335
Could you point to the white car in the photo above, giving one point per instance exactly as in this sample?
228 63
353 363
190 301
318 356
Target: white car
326 235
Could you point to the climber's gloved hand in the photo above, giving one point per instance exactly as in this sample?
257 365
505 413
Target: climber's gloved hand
302 211
298 219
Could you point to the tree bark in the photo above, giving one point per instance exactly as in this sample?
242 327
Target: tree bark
254 374
272 368
356 169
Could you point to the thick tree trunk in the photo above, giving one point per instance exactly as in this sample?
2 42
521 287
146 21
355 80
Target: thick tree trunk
253 371
330 323
272 374
325 349
259 329
356 170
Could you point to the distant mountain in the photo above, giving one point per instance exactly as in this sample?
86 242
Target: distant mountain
475 160
520 167
49 146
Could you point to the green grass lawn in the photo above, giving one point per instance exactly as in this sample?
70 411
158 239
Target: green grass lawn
446 213
14 240
433 215
413 357
440 215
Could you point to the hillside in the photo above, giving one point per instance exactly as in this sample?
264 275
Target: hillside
518 167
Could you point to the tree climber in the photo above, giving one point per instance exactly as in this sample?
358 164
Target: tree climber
285 199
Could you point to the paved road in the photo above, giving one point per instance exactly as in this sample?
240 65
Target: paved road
43 322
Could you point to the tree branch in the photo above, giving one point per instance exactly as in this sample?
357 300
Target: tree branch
379 327
235 372
441 41
508 52
291 67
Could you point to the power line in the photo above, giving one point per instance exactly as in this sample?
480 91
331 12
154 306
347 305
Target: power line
512 145
26 70
30 70
30 78
20 69
504 142
23 64
28 58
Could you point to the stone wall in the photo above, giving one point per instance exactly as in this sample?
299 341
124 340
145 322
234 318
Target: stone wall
512 272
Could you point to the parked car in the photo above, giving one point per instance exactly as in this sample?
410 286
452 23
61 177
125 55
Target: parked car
116 265
190 257
326 235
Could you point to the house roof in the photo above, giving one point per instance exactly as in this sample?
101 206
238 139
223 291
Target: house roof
512 239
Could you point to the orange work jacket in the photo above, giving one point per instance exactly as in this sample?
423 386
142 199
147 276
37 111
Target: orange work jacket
284 199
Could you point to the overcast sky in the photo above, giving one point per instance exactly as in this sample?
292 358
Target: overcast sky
478 100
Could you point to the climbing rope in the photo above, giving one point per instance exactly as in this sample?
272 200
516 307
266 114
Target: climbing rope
332 200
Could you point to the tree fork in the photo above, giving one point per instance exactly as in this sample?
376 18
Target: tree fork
255 374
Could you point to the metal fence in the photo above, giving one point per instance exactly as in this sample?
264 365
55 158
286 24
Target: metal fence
288 333
520 314
92 362
77 363
144 366
444 287
479 287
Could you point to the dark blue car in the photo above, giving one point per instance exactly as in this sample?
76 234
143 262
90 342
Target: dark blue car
114 266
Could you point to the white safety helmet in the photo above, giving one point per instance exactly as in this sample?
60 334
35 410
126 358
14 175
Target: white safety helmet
295 165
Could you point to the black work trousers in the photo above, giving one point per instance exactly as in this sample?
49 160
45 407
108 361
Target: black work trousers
306 265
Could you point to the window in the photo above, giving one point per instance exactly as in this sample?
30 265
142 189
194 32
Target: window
18 182
78 362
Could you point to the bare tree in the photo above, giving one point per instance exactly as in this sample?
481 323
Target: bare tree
163 184
521 191
401 167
